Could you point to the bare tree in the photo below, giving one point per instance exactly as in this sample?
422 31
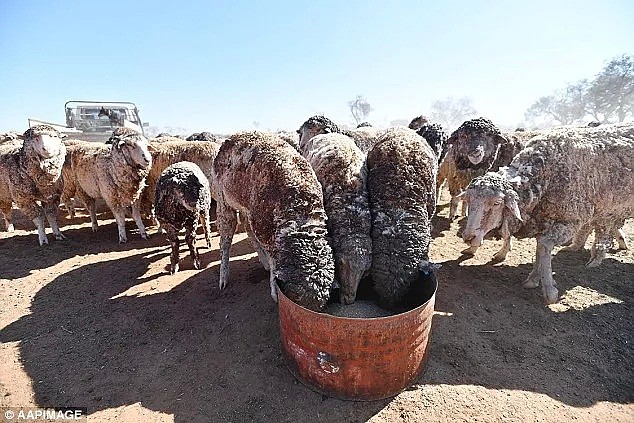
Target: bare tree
451 112
360 109
608 97
612 90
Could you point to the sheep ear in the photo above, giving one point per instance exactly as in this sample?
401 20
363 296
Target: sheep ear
511 202
500 139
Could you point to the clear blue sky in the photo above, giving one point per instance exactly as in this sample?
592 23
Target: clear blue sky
220 66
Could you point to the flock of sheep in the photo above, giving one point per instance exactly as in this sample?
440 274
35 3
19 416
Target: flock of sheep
327 207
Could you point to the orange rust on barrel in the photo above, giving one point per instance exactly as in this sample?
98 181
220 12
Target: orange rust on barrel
351 358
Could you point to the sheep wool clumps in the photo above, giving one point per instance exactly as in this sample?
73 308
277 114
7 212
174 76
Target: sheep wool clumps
340 168
274 187
183 197
565 183
202 136
418 122
30 176
401 183
435 136
116 174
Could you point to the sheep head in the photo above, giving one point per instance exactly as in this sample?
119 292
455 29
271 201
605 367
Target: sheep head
476 143
314 126
491 199
44 140
132 146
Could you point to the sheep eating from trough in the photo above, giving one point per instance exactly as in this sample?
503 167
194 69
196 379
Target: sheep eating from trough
30 176
340 168
116 174
563 184
401 186
182 198
273 186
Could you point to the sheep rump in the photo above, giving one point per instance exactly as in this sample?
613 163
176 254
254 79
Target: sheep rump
273 186
401 186
340 169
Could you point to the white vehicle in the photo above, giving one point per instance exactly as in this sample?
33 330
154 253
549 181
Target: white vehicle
95 120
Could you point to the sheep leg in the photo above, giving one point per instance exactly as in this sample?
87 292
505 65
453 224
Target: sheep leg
50 210
41 234
544 252
91 207
6 210
190 239
507 244
136 215
226 221
119 215
620 239
204 220
603 241
453 207
532 281
172 237
579 240
257 247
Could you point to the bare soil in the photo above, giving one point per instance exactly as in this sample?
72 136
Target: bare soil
88 322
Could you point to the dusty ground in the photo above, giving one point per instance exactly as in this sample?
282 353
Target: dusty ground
87 322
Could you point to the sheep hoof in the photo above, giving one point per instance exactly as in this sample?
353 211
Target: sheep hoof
122 240
551 295
196 264
10 228
498 258
60 237
531 283
145 237
594 262
469 251
222 285
43 241
173 268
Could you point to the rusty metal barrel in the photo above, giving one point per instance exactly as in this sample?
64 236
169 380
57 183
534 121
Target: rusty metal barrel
360 359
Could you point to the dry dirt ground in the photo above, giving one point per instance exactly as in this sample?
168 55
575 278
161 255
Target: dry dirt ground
88 322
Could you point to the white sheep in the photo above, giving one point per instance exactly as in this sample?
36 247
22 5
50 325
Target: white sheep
30 176
116 174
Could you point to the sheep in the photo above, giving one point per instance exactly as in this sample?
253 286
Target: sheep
264 178
418 122
116 174
364 136
436 137
480 145
30 176
340 169
182 197
202 136
70 187
563 183
477 146
401 186
364 124
173 151
290 137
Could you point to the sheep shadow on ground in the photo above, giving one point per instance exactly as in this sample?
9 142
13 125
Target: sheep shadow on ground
193 351
501 336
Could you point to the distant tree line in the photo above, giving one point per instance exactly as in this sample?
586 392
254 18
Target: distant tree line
609 97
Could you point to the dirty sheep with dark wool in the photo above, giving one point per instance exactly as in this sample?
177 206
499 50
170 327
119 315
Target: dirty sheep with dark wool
182 198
